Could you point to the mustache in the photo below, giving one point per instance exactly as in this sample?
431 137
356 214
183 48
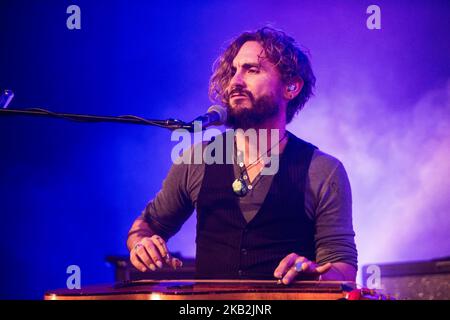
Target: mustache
239 91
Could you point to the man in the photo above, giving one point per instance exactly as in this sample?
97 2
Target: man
296 223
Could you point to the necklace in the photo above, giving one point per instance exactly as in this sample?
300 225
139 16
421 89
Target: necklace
240 186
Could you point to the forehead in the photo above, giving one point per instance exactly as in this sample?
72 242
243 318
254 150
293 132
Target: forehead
250 52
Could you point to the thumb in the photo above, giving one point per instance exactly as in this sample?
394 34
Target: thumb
324 268
176 263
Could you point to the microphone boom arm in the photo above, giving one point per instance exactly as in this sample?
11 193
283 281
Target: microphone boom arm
171 124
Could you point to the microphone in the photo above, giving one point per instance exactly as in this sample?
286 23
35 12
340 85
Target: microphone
215 116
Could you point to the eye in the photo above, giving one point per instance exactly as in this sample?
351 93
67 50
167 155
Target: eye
253 70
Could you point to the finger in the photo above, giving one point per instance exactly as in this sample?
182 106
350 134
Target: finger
306 267
137 263
300 264
290 276
153 251
161 245
285 265
144 257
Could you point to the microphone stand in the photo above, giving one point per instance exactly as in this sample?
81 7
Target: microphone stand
171 124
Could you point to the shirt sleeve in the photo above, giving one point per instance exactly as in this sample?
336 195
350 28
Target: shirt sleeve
176 200
332 202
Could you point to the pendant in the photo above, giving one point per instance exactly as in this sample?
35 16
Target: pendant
240 187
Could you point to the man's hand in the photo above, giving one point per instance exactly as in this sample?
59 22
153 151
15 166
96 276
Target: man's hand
151 253
293 264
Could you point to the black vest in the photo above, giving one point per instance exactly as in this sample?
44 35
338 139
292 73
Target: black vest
230 248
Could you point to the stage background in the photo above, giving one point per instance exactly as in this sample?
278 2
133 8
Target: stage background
70 191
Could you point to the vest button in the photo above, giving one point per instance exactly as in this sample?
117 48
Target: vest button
240 273
244 251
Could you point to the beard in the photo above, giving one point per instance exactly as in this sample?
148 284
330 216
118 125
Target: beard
261 110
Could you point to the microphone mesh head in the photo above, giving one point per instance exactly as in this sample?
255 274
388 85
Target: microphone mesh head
221 111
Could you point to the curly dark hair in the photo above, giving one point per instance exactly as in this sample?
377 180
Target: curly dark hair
282 51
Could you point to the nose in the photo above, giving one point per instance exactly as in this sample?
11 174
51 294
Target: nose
237 80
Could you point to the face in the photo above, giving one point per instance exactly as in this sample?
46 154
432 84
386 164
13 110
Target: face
255 92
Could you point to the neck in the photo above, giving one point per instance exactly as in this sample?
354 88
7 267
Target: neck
265 138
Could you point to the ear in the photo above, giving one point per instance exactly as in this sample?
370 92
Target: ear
293 88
